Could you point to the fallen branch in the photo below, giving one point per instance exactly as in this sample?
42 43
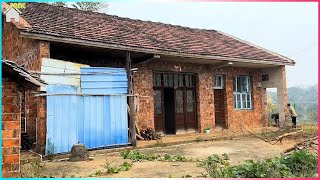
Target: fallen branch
280 138
304 144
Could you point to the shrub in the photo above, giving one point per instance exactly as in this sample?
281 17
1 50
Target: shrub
298 164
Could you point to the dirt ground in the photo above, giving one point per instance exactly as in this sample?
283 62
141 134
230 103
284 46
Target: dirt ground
239 149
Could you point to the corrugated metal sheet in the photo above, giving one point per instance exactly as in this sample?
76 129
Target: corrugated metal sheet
96 121
113 83
63 117
59 66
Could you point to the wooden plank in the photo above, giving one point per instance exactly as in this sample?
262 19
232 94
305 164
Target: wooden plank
131 102
137 128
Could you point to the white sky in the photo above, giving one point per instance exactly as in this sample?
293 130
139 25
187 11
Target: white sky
290 29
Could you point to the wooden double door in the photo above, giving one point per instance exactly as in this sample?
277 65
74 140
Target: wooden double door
174 103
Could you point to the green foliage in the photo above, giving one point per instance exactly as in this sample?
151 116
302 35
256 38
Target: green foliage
86 6
159 143
299 164
125 166
207 128
138 156
304 100
302 163
51 149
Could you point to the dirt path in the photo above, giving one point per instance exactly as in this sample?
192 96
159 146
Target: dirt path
237 149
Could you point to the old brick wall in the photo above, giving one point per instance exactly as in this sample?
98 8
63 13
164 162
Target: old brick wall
247 118
41 124
29 53
143 85
10 129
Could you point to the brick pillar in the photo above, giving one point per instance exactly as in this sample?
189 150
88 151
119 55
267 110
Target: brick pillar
205 101
41 124
229 97
10 129
41 109
143 85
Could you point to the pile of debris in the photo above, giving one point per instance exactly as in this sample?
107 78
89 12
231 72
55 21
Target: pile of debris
311 144
148 134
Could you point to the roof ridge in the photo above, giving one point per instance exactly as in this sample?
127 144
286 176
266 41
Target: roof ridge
123 18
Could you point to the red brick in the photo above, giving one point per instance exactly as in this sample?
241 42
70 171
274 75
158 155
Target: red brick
7 134
10 125
6 167
10 143
10 117
9 108
10 174
11 159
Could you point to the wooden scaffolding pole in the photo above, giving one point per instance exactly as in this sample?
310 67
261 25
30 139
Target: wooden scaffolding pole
132 113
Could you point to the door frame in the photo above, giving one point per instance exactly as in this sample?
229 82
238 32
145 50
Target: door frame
161 88
224 99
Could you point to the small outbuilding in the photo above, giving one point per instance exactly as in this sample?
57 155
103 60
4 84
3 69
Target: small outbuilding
15 81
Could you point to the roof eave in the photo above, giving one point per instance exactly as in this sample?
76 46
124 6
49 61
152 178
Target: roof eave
128 48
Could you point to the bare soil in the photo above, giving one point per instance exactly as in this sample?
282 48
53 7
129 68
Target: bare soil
238 149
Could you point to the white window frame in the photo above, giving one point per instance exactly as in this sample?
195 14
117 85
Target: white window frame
246 94
215 86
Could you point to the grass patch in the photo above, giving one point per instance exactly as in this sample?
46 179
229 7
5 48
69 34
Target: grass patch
199 139
138 156
33 169
125 166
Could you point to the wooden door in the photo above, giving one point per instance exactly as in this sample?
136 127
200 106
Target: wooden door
158 110
180 110
219 108
190 110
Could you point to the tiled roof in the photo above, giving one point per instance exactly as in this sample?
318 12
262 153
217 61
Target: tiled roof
71 23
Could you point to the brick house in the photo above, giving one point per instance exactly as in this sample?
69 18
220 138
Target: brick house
194 78
15 81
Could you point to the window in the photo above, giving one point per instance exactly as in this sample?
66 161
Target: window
168 80
218 82
179 101
189 80
157 101
242 92
178 80
156 79
190 101
265 77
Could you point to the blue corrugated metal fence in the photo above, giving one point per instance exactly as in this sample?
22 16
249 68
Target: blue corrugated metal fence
94 120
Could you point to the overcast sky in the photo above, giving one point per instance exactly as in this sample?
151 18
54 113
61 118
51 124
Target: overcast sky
290 29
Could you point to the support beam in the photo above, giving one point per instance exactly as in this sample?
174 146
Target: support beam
132 112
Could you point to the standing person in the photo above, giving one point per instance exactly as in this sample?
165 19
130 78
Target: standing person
293 115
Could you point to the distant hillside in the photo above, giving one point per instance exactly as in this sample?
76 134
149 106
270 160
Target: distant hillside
305 101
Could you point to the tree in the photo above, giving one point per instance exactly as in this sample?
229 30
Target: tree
86 6
59 4
90 6
270 105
